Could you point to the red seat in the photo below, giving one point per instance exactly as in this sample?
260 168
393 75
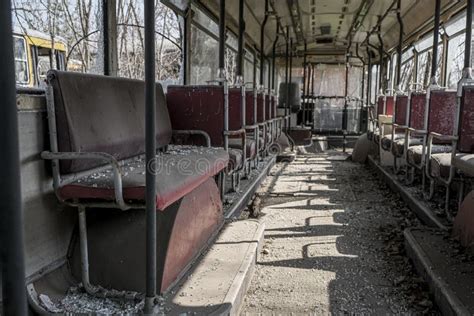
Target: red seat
179 171
201 107
417 110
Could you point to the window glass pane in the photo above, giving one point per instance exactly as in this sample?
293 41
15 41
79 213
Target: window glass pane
230 65
424 43
394 70
407 74
456 25
407 55
130 43
455 60
202 19
248 66
21 61
204 56
424 62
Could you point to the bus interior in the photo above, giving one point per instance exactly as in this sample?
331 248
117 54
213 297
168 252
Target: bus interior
304 157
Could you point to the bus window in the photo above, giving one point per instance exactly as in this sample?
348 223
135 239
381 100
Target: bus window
21 61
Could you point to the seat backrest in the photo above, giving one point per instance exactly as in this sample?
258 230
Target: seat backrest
249 105
268 109
417 110
466 122
199 107
235 108
389 105
103 114
401 109
274 106
260 108
441 112
380 104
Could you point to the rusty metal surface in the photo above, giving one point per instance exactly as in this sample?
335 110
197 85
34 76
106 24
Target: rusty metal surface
463 226
235 110
48 227
199 108
380 104
260 108
417 110
401 109
117 240
466 127
389 105
442 112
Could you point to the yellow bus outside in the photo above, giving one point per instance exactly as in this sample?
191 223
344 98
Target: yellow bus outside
35 53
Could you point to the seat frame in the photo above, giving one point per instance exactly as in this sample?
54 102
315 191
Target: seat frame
119 203
465 81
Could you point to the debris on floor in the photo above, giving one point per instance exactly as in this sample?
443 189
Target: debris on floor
334 244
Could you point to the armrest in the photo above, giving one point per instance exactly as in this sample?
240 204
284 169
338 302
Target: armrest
434 135
452 139
47 155
242 133
417 131
235 132
194 132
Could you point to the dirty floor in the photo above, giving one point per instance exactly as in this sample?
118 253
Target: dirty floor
333 244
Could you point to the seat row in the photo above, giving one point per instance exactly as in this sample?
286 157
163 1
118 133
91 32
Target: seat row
430 135
97 146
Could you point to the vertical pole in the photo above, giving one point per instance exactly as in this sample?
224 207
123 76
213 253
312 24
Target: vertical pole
369 78
11 224
222 75
150 140
303 119
240 49
274 56
344 112
400 44
240 61
468 40
290 74
262 42
434 61
109 25
186 39
313 99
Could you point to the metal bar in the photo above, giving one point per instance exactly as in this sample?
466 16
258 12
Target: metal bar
105 34
346 92
290 74
240 50
400 42
222 34
468 40
304 85
186 39
262 41
274 55
369 77
11 225
150 156
434 61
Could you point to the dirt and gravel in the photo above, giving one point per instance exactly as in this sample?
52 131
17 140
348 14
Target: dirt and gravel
333 244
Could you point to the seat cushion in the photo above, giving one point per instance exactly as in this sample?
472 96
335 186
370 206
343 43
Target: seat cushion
465 164
179 171
415 152
235 159
387 140
440 165
249 144
398 147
